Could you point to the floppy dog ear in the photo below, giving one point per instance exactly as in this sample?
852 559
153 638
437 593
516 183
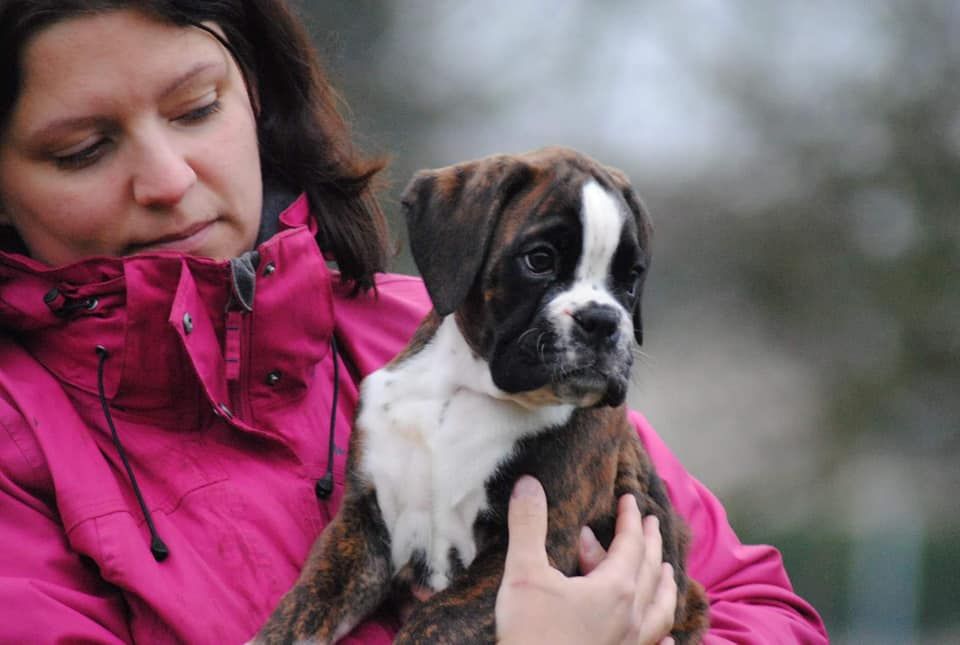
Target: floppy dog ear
644 233
451 216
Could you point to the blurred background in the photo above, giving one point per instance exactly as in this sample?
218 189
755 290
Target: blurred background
802 163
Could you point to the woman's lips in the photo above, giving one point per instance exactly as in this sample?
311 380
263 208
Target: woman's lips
188 240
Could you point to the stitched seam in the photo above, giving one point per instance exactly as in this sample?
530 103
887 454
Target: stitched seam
33 464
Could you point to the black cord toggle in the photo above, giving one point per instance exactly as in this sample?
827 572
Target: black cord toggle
158 548
324 487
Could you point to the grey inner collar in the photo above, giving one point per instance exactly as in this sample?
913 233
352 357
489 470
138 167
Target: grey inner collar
244 268
275 201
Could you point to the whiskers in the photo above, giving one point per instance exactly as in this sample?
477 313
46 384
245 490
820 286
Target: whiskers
640 356
642 364
532 330
565 368
539 348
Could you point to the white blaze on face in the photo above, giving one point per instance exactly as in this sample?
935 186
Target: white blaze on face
602 221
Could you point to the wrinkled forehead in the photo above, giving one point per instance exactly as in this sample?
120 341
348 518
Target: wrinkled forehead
570 197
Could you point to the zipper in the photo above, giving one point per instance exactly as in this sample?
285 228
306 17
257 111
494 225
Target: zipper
237 361
236 346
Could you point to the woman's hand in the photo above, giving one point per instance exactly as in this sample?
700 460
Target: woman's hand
625 596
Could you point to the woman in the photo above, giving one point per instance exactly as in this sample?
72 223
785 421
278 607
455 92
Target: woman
176 351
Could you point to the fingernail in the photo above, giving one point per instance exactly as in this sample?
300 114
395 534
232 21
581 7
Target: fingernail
526 486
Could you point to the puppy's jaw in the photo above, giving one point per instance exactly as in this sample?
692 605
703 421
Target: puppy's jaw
557 371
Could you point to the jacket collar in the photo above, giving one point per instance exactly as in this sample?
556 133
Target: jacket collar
153 311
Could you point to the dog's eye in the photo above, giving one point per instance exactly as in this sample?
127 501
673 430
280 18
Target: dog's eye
540 260
636 277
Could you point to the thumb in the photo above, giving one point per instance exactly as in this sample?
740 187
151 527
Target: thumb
527 525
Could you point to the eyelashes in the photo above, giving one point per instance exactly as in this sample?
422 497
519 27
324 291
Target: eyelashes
91 154
201 113
82 158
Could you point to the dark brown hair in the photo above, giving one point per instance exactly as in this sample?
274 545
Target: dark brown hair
305 144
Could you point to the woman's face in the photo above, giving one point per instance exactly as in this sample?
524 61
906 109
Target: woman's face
130 135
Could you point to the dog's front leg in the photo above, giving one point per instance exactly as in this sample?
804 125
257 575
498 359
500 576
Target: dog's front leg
461 614
635 474
347 575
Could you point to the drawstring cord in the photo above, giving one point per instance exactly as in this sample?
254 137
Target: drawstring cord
325 484
157 546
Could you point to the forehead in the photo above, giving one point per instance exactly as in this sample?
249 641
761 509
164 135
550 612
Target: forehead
94 62
566 196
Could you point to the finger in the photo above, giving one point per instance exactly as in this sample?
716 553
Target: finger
590 552
626 550
659 614
527 526
649 572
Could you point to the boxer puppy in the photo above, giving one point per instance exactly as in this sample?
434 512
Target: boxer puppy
535 265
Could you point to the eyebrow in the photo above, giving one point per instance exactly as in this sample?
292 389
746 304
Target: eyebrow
188 76
79 122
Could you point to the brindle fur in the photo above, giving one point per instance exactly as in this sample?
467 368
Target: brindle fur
584 466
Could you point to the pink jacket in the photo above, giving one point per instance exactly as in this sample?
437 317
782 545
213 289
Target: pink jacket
224 415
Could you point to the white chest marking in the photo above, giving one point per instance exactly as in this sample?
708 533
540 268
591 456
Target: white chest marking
437 427
602 221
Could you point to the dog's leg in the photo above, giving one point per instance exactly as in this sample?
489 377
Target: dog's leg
461 614
347 575
636 475
464 612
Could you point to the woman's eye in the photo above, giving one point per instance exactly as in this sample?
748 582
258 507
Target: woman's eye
201 113
540 260
84 157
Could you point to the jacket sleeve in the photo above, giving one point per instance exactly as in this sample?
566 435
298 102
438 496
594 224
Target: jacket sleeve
751 598
45 587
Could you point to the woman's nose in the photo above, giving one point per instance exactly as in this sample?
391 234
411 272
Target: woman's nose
163 174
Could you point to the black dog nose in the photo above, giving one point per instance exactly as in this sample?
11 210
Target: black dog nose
598 322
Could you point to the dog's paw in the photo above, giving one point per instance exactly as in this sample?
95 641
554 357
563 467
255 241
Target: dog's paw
299 641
